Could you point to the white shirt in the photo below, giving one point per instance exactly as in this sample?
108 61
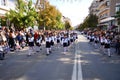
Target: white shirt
31 39
1 48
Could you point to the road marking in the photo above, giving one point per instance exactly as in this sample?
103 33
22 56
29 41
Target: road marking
77 69
74 76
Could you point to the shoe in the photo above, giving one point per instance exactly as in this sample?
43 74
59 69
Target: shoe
50 51
109 55
28 55
47 54
37 51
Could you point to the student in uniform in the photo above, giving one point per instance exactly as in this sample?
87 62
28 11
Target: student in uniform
102 43
71 38
65 43
48 44
96 40
107 46
38 43
58 40
30 44
2 55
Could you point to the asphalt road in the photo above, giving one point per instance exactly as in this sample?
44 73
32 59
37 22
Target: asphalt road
81 62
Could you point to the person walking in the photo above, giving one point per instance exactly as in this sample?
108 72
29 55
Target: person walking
30 44
107 46
48 44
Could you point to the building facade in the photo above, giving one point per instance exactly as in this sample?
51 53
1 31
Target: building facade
6 5
93 8
106 10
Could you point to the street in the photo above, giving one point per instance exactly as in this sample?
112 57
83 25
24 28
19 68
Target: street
81 62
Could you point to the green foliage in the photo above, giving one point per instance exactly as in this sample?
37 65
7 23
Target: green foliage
23 16
49 17
118 17
67 25
90 21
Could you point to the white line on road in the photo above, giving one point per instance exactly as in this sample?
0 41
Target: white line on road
77 69
74 76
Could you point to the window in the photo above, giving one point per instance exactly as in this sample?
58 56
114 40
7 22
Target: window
117 8
107 3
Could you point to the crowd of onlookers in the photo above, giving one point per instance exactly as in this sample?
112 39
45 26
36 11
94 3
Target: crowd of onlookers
106 39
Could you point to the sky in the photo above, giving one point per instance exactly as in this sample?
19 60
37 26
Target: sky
76 10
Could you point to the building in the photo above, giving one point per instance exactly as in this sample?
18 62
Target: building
105 10
5 6
93 8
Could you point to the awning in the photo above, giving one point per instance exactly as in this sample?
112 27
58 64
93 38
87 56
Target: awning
107 19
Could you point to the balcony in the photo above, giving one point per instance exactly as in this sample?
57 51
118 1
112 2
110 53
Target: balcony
107 19
103 17
105 9
103 3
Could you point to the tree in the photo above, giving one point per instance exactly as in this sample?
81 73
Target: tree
49 16
24 14
90 21
67 25
118 17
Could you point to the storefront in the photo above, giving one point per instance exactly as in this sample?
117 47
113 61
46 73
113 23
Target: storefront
107 23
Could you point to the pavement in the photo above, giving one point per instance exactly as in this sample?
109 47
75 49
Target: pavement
81 62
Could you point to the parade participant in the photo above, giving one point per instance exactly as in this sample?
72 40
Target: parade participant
96 40
65 43
71 38
107 46
2 55
91 38
52 40
48 45
30 44
18 47
58 40
38 43
102 42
